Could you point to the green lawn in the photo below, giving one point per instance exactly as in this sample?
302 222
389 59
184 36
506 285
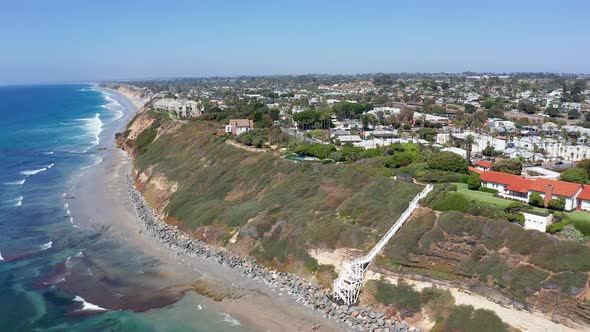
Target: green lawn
580 220
489 198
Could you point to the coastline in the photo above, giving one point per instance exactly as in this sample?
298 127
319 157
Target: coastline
103 204
260 293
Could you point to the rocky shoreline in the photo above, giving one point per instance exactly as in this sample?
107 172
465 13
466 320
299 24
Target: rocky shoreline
308 294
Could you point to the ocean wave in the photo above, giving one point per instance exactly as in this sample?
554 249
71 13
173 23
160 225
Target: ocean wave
46 245
113 105
15 183
50 165
87 306
33 171
48 153
97 160
16 202
229 319
1 258
93 127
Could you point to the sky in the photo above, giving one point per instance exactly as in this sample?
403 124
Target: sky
61 41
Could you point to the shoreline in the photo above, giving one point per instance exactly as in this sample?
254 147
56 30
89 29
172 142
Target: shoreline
102 203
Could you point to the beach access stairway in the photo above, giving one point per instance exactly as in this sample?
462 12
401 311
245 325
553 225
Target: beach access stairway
352 275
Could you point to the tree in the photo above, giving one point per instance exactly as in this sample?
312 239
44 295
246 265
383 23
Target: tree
474 181
469 108
573 114
575 174
509 166
557 204
489 151
584 164
569 232
469 141
535 199
448 161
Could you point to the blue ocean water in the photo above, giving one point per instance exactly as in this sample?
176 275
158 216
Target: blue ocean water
49 135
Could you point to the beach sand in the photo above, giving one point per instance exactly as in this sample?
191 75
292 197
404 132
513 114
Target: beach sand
102 203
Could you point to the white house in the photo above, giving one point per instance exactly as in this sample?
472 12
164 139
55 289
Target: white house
239 126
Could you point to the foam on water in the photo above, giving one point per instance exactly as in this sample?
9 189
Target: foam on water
33 171
1 258
93 128
16 202
113 105
87 306
15 183
229 319
46 245
50 165
48 153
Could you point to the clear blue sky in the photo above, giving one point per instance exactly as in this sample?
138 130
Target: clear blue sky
49 41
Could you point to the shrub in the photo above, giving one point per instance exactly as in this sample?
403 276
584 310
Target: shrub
557 204
317 150
474 181
488 190
575 174
144 139
448 161
535 199
516 218
465 318
510 166
569 232
439 302
402 296
555 227
399 159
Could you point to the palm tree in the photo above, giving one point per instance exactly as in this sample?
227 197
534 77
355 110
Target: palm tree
469 141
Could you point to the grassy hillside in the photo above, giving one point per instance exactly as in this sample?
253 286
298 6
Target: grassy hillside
534 268
280 208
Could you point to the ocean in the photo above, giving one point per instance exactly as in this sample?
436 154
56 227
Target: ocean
55 273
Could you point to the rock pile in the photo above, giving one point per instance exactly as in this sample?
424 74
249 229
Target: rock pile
310 295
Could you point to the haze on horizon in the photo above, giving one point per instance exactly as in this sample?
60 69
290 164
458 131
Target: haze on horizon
59 41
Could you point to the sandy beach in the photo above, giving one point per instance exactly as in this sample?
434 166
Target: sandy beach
102 203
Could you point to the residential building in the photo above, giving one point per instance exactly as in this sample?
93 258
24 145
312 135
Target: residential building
518 188
239 126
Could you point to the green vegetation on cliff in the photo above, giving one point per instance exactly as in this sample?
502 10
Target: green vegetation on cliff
281 208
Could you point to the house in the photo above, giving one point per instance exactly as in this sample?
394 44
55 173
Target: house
239 126
584 199
518 188
483 165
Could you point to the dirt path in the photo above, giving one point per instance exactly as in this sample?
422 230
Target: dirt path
522 320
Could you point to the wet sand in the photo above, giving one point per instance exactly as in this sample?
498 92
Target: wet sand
102 205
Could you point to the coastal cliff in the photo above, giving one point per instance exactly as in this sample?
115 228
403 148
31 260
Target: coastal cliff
260 206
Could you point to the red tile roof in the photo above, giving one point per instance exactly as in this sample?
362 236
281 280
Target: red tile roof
585 194
241 122
523 185
484 164
560 188
476 170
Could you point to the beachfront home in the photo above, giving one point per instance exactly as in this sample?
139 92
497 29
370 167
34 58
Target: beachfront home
483 165
518 188
239 126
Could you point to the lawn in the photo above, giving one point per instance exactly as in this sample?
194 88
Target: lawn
580 220
489 198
